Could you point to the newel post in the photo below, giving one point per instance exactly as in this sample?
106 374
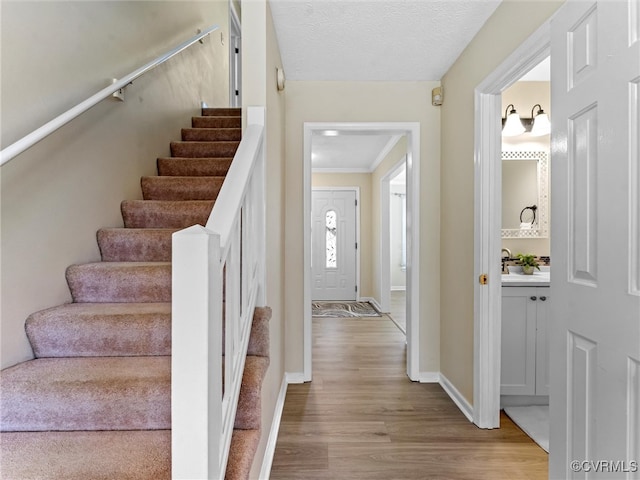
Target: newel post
196 358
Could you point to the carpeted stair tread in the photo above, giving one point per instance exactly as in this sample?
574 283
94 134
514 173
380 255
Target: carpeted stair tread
244 444
181 188
187 167
92 455
107 455
203 149
249 404
222 112
259 337
99 393
216 122
101 329
95 403
117 282
165 213
211 134
135 244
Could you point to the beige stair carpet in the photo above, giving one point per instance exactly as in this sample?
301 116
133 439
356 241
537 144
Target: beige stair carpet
96 401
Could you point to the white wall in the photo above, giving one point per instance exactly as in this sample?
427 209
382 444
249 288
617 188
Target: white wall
57 194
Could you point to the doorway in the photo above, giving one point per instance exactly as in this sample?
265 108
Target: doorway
412 132
235 58
488 223
334 244
393 279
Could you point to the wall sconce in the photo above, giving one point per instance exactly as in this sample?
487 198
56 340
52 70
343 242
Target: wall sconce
538 124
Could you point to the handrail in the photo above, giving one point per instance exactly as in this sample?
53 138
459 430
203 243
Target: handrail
48 128
217 281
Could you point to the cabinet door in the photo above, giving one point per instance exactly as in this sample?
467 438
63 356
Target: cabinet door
542 341
518 363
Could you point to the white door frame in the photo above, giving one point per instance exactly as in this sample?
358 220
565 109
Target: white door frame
488 221
385 241
357 192
412 131
235 61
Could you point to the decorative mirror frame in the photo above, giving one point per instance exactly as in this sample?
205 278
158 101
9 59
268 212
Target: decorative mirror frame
542 230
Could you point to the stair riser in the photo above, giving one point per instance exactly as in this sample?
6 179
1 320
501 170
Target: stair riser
188 167
181 188
222 112
119 283
135 245
211 134
158 214
203 149
216 122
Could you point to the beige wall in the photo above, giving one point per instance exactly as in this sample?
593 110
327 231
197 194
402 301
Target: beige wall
363 182
524 95
57 194
363 102
511 24
261 56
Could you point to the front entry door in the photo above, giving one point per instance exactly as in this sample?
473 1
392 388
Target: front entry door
333 244
595 242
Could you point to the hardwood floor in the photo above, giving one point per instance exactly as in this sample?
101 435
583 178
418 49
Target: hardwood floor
361 418
398 309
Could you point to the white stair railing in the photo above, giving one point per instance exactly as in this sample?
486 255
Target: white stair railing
218 278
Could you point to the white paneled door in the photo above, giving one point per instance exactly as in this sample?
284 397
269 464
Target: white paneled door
595 314
333 244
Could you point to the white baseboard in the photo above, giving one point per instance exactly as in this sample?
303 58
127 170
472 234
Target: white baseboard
429 377
400 288
462 403
373 302
270 449
294 377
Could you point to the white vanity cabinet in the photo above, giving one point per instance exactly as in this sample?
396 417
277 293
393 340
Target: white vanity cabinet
525 346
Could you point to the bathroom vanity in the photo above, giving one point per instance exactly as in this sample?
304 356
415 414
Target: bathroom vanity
525 347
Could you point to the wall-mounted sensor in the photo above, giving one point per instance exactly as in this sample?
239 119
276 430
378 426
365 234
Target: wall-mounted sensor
437 96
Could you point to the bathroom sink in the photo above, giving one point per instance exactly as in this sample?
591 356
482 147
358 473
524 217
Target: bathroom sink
516 278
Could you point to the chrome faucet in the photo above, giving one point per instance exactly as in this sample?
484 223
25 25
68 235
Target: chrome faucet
505 268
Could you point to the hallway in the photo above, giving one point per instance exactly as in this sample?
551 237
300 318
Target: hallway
361 418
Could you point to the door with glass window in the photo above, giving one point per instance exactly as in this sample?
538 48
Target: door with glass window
333 244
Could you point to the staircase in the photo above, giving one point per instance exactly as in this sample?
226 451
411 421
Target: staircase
95 403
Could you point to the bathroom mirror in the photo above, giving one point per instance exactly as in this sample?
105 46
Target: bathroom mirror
525 178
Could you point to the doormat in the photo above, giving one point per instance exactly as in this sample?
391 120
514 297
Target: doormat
343 309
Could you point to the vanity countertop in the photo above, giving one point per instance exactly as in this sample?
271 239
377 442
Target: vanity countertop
516 278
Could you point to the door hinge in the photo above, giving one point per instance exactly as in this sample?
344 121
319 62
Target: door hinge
356 288
356 202
483 279
237 50
237 92
356 245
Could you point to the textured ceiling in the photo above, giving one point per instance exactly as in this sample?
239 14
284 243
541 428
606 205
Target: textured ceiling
375 40
371 40
349 153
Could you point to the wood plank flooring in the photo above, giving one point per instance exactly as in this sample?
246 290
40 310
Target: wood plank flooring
361 418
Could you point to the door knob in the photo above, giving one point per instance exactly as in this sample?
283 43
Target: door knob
543 298
534 298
